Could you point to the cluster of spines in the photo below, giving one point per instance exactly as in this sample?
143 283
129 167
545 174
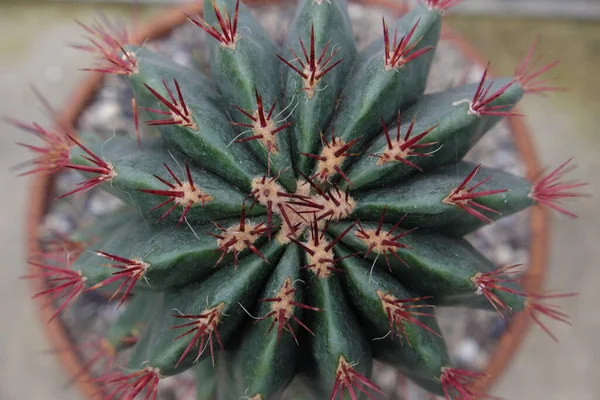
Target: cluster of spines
551 190
51 158
312 68
404 147
202 328
129 271
103 170
347 379
329 162
282 310
386 243
127 386
263 126
239 237
536 304
399 52
464 197
400 311
63 283
178 113
108 44
457 383
181 194
228 27
319 251
529 74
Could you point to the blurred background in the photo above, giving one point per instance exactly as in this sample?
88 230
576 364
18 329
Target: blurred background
34 50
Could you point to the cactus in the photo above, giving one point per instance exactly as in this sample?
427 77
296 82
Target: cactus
298 202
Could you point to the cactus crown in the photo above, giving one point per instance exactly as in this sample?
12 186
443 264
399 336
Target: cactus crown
314 188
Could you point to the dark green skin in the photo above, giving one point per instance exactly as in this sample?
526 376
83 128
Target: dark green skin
230 285
212 141
206 382
136 171
226 386
455 134
239 73
102 227
130 322
435 265
420 351
141 350
420 199
373 93
102 230
154 68
263 364
312 116
330 342
115 241
176 256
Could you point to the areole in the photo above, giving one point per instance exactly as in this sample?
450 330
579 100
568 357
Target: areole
162 25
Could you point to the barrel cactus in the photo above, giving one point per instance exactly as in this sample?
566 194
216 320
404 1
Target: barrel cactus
300 211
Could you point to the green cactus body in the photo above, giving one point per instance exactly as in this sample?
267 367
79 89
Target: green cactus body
263 364
274 217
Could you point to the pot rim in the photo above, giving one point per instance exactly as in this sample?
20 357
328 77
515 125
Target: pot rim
162 25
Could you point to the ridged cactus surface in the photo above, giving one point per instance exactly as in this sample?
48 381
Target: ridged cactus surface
303 208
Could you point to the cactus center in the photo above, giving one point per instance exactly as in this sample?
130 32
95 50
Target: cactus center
336 204
268 192
271 195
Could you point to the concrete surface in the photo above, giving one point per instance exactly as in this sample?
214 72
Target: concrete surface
33 50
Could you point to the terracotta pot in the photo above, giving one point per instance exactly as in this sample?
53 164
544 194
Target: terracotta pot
41 196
